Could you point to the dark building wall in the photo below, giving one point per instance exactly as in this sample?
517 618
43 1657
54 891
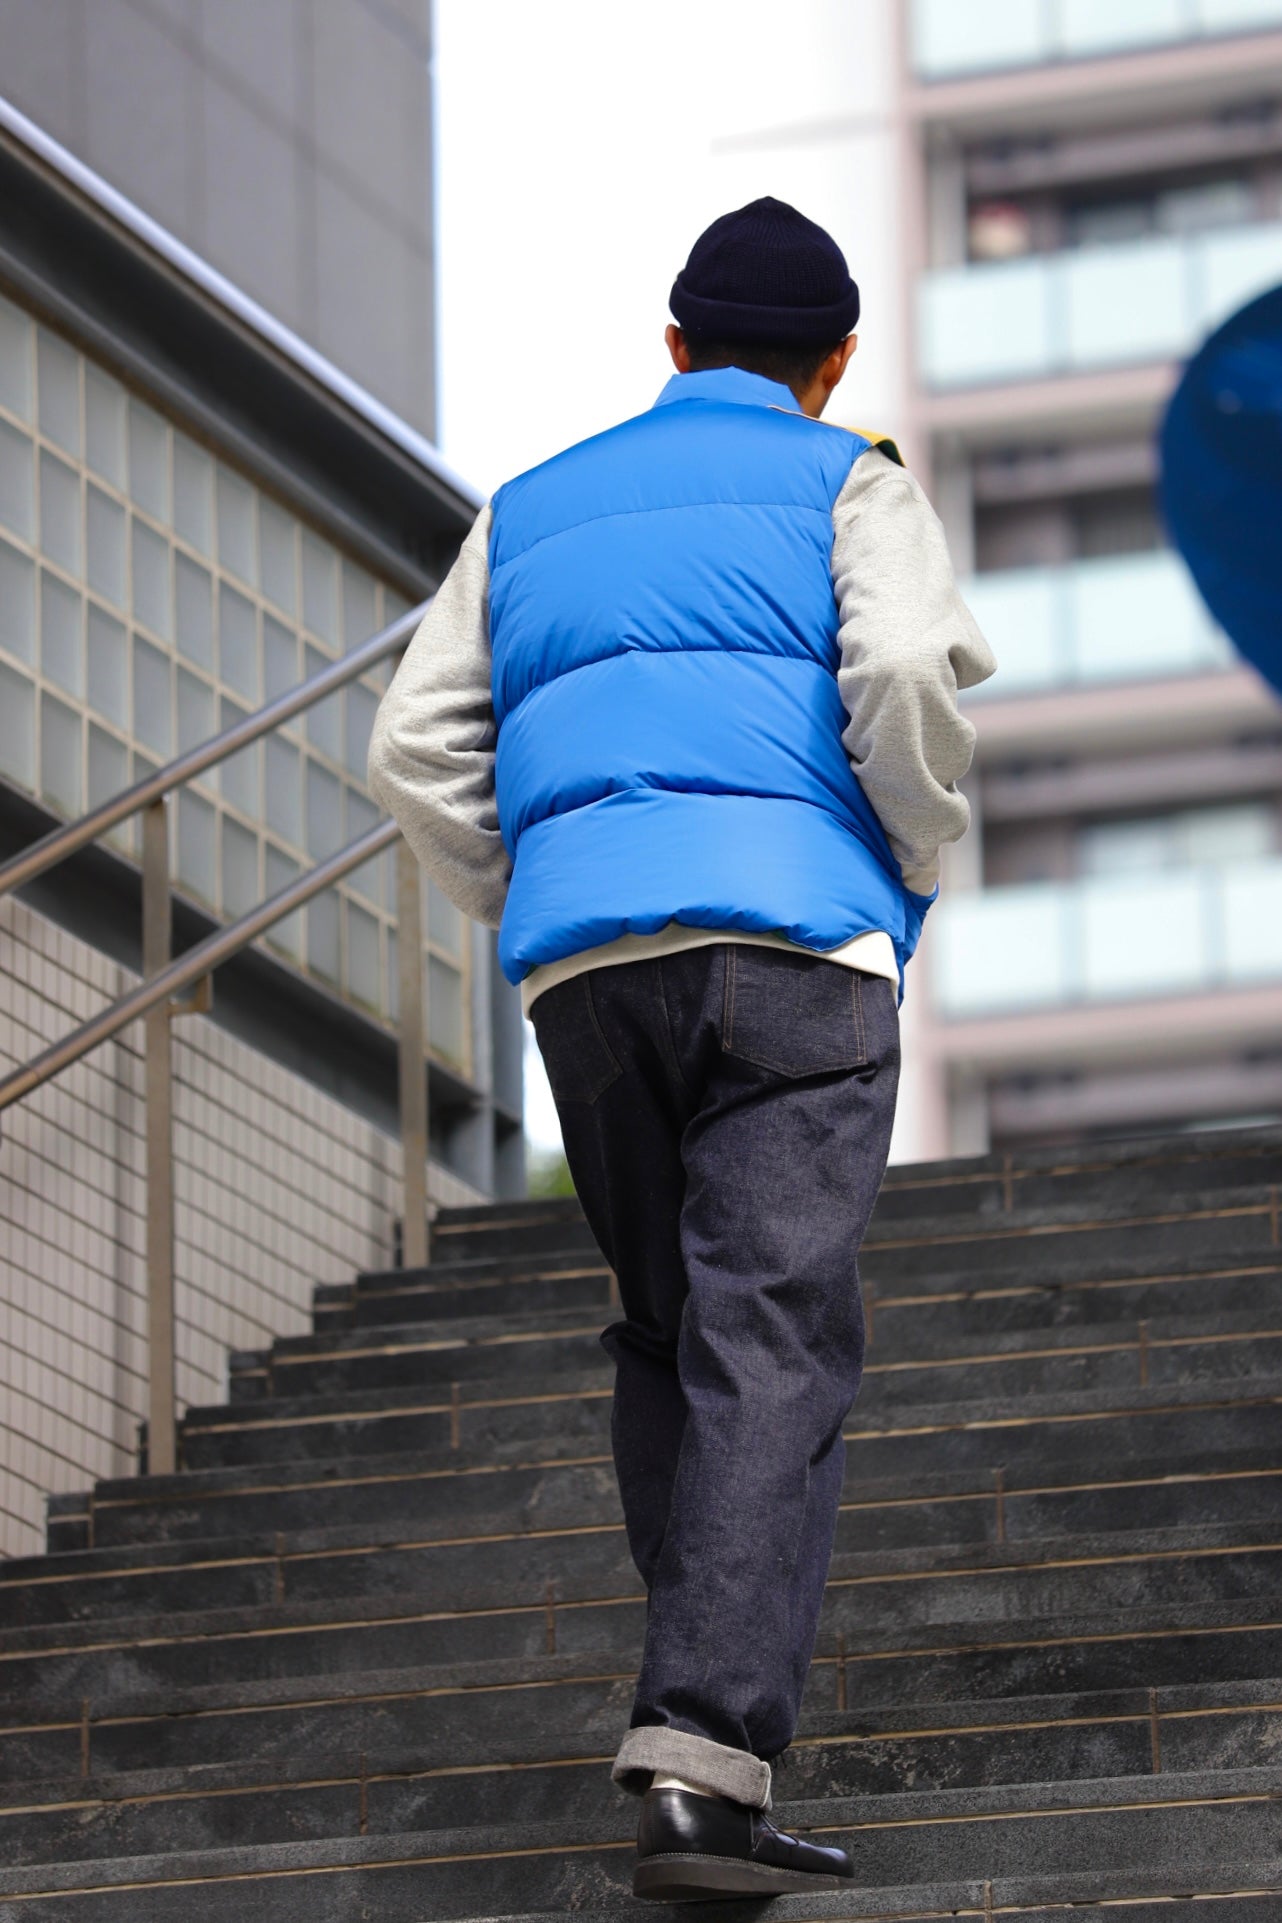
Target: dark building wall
285 141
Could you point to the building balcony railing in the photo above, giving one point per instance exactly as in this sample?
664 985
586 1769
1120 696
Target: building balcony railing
1136 302
950 41
1125 617
1120 937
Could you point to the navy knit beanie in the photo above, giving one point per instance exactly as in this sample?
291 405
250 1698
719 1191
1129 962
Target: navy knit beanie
766 274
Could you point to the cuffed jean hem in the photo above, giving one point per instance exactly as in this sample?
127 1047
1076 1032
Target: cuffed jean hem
736 1773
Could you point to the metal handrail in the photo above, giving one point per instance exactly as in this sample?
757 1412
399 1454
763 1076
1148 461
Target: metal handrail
59 843
163 979
194 964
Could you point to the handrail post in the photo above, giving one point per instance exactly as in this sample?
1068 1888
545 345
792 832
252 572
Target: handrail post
413 1066
156 937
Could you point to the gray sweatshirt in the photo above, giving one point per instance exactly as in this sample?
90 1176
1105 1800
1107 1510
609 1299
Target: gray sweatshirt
907 642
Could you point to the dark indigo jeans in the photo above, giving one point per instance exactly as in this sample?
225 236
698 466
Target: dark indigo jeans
726 1113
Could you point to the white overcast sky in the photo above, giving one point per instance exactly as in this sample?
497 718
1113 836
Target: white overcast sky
581 146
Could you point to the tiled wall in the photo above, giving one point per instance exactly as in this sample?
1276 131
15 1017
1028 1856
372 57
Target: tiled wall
278 1188
151 595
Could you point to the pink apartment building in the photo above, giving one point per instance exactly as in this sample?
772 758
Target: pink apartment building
1091 187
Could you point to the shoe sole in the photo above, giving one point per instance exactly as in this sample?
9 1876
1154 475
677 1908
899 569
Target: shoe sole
676 1878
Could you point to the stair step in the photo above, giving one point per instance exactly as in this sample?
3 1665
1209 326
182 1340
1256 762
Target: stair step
943 1747
303 1506
549 1607
560 1345
954 1853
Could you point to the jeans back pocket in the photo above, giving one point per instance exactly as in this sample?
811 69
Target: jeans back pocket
579 1061
795 1014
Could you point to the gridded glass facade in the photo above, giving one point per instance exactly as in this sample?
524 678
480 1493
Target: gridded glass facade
151 594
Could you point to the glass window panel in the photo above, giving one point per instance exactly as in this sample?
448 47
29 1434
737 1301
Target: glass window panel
392 986
323 954
362 705
1143 936
986 323
235 524
238 775
1231 16
197 847
1098 26
151 588
320 588
238 642
367 881
1126 303
445 1008
195 612
193 494
58 386
17 727
277 533
15 360
1126 847
1221 837
60 749
362 957
1005 948
362 815
1251 894
240 869
59 512
153 699
61 653
104 425
1136 614
324 811
445 925
284 784
108 766
108 675
325 720
287 935
17 482
105 545
148 460
360 615
394 604
1234 268
948 38
17 603
280 658
1021 613
195 711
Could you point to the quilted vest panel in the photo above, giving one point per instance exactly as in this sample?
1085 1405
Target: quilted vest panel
664 637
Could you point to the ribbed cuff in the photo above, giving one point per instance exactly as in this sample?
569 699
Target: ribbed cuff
736 1773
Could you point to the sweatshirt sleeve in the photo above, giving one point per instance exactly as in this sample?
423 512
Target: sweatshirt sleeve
908 643
431 753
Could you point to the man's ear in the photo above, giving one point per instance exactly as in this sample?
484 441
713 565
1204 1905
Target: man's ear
837 362
677 348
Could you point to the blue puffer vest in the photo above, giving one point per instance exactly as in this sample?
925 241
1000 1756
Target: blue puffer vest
665 649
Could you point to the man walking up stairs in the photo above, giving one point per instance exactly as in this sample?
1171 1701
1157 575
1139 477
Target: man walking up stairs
682 723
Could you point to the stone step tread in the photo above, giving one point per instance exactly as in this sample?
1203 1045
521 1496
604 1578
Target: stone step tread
922 1561
529 1499
1112 1816
949 1520
1223 1556
551 1325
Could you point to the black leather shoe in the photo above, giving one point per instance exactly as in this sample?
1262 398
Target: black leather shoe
691 1846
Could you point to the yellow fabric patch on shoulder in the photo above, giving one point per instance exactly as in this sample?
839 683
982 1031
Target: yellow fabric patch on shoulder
883 441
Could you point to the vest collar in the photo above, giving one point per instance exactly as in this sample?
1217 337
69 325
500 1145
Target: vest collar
729 384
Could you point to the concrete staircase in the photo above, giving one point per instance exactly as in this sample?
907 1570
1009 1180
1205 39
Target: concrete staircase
369 1655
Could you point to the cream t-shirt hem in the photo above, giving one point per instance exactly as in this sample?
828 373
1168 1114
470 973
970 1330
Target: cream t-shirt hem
872 954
